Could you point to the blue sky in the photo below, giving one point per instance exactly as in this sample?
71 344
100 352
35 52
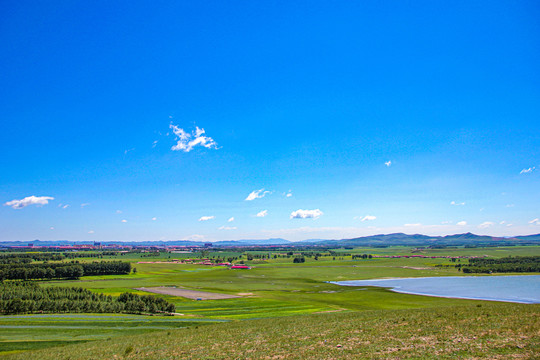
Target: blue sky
341 119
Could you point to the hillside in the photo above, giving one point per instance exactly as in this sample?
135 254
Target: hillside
488 331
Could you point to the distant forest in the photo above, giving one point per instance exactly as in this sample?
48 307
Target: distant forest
503 265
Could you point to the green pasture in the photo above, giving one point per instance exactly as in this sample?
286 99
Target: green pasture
28 332
279 287
482 331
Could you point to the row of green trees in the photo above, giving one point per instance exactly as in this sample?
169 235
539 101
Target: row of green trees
62 270
363 256
25 258
503 265
27 297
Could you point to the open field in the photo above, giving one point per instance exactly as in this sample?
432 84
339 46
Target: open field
273 288
28 332
188 294
487 331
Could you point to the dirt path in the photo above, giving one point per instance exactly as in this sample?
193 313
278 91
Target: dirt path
190 294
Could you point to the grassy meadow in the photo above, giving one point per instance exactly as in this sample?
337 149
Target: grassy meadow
487 331
279 297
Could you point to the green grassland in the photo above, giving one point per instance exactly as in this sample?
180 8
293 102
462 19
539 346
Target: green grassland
274 290
28 332
490 331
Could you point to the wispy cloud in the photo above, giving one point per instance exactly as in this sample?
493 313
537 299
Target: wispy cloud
527 171
388 163
457 204
51 228
84 204
535 222
368 218
227 228
187 141
306 214
91 232
288 194
461 223
413 225
257 194
206 218
154 218
124 220
154 143
262 213
63 206
231 219
29 200
486 224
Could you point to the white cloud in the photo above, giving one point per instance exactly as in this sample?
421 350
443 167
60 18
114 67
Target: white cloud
508 225
527 171
256 194
231 219
457 204
288 194
85 204
187 141
227 228
128 150
502 222
461 223
91 232
154 218
154 143
412 225
368 218
29 200
262 213
206 218
124 221
52 228
388 163
306 214
485 224
510 205
535 222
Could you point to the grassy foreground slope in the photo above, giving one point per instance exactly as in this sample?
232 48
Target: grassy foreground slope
489 331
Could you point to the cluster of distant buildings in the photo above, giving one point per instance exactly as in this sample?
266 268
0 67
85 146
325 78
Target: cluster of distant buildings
425 257
108 246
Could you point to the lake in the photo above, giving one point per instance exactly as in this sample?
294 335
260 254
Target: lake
515 288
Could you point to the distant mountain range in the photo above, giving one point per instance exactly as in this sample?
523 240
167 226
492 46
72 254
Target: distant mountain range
373 240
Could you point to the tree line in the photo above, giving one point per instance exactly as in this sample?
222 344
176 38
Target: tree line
25 258
18 297
62 270
502 265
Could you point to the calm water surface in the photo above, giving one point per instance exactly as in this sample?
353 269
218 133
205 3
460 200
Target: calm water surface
518 288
